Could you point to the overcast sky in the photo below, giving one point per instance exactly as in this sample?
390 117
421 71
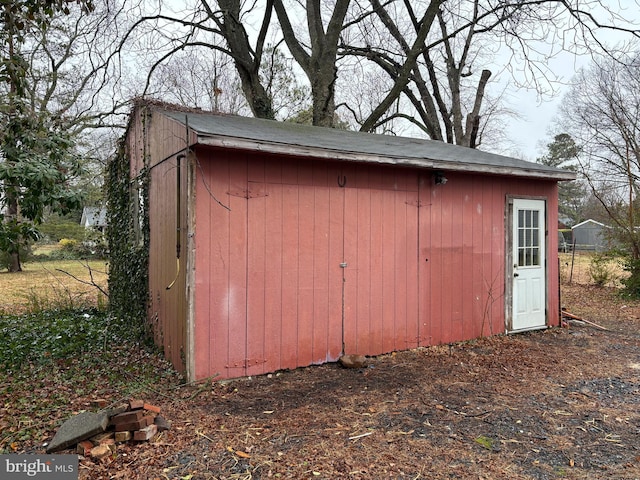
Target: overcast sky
531 133
534 128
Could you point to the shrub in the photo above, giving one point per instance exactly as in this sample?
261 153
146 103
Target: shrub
600 269
632 282
68 244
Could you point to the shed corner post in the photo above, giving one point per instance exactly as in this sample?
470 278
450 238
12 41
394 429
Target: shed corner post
190 268
508 278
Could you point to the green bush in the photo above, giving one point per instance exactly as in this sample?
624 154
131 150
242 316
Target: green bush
68 244
631 283
600 269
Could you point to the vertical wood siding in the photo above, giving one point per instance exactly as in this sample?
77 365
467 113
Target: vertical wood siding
150 140
380 238
299 269
463 282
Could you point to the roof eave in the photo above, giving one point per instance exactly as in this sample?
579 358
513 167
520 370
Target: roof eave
332 154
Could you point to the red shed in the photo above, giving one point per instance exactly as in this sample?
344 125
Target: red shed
276 245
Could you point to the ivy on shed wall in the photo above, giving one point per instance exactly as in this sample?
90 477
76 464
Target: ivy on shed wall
128 238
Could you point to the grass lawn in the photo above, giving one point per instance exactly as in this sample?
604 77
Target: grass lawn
65 284
53 284
577 269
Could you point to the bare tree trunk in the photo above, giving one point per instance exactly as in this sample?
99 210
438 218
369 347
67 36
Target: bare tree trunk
427 108
247 59
323 92
319 65
635 248
403 77
442 88
470 137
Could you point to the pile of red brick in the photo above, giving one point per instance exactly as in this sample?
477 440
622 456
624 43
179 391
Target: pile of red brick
137 420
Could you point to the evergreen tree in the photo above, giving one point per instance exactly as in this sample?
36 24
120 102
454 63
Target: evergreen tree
563 152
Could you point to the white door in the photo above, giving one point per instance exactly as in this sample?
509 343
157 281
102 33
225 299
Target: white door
529 261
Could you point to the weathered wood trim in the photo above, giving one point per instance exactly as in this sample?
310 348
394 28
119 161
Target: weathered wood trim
328 154
508 273
190 267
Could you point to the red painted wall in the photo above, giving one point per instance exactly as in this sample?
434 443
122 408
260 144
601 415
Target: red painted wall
424 262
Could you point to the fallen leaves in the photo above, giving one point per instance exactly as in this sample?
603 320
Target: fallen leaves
541 402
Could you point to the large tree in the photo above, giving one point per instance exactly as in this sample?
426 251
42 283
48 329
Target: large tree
247 57
438 57
603 112
316 49
197 46
222 27
48 96
404 53
206 78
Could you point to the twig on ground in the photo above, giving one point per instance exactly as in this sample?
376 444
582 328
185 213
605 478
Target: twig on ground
360 436
91 283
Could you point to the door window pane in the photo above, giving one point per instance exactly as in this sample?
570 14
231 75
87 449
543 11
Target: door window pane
528 238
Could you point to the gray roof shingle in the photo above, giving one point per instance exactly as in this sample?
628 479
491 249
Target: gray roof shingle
287 138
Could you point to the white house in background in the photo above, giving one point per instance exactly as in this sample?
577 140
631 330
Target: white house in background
94 217
590 235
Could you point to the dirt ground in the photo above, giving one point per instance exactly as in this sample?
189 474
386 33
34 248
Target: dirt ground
560 403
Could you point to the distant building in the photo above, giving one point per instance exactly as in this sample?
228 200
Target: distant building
94 217
590 235
564 223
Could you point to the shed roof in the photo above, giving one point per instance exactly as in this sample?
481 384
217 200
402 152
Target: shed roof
294 139
94 217
590 223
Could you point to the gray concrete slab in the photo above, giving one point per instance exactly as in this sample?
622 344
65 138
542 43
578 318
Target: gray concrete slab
78 428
